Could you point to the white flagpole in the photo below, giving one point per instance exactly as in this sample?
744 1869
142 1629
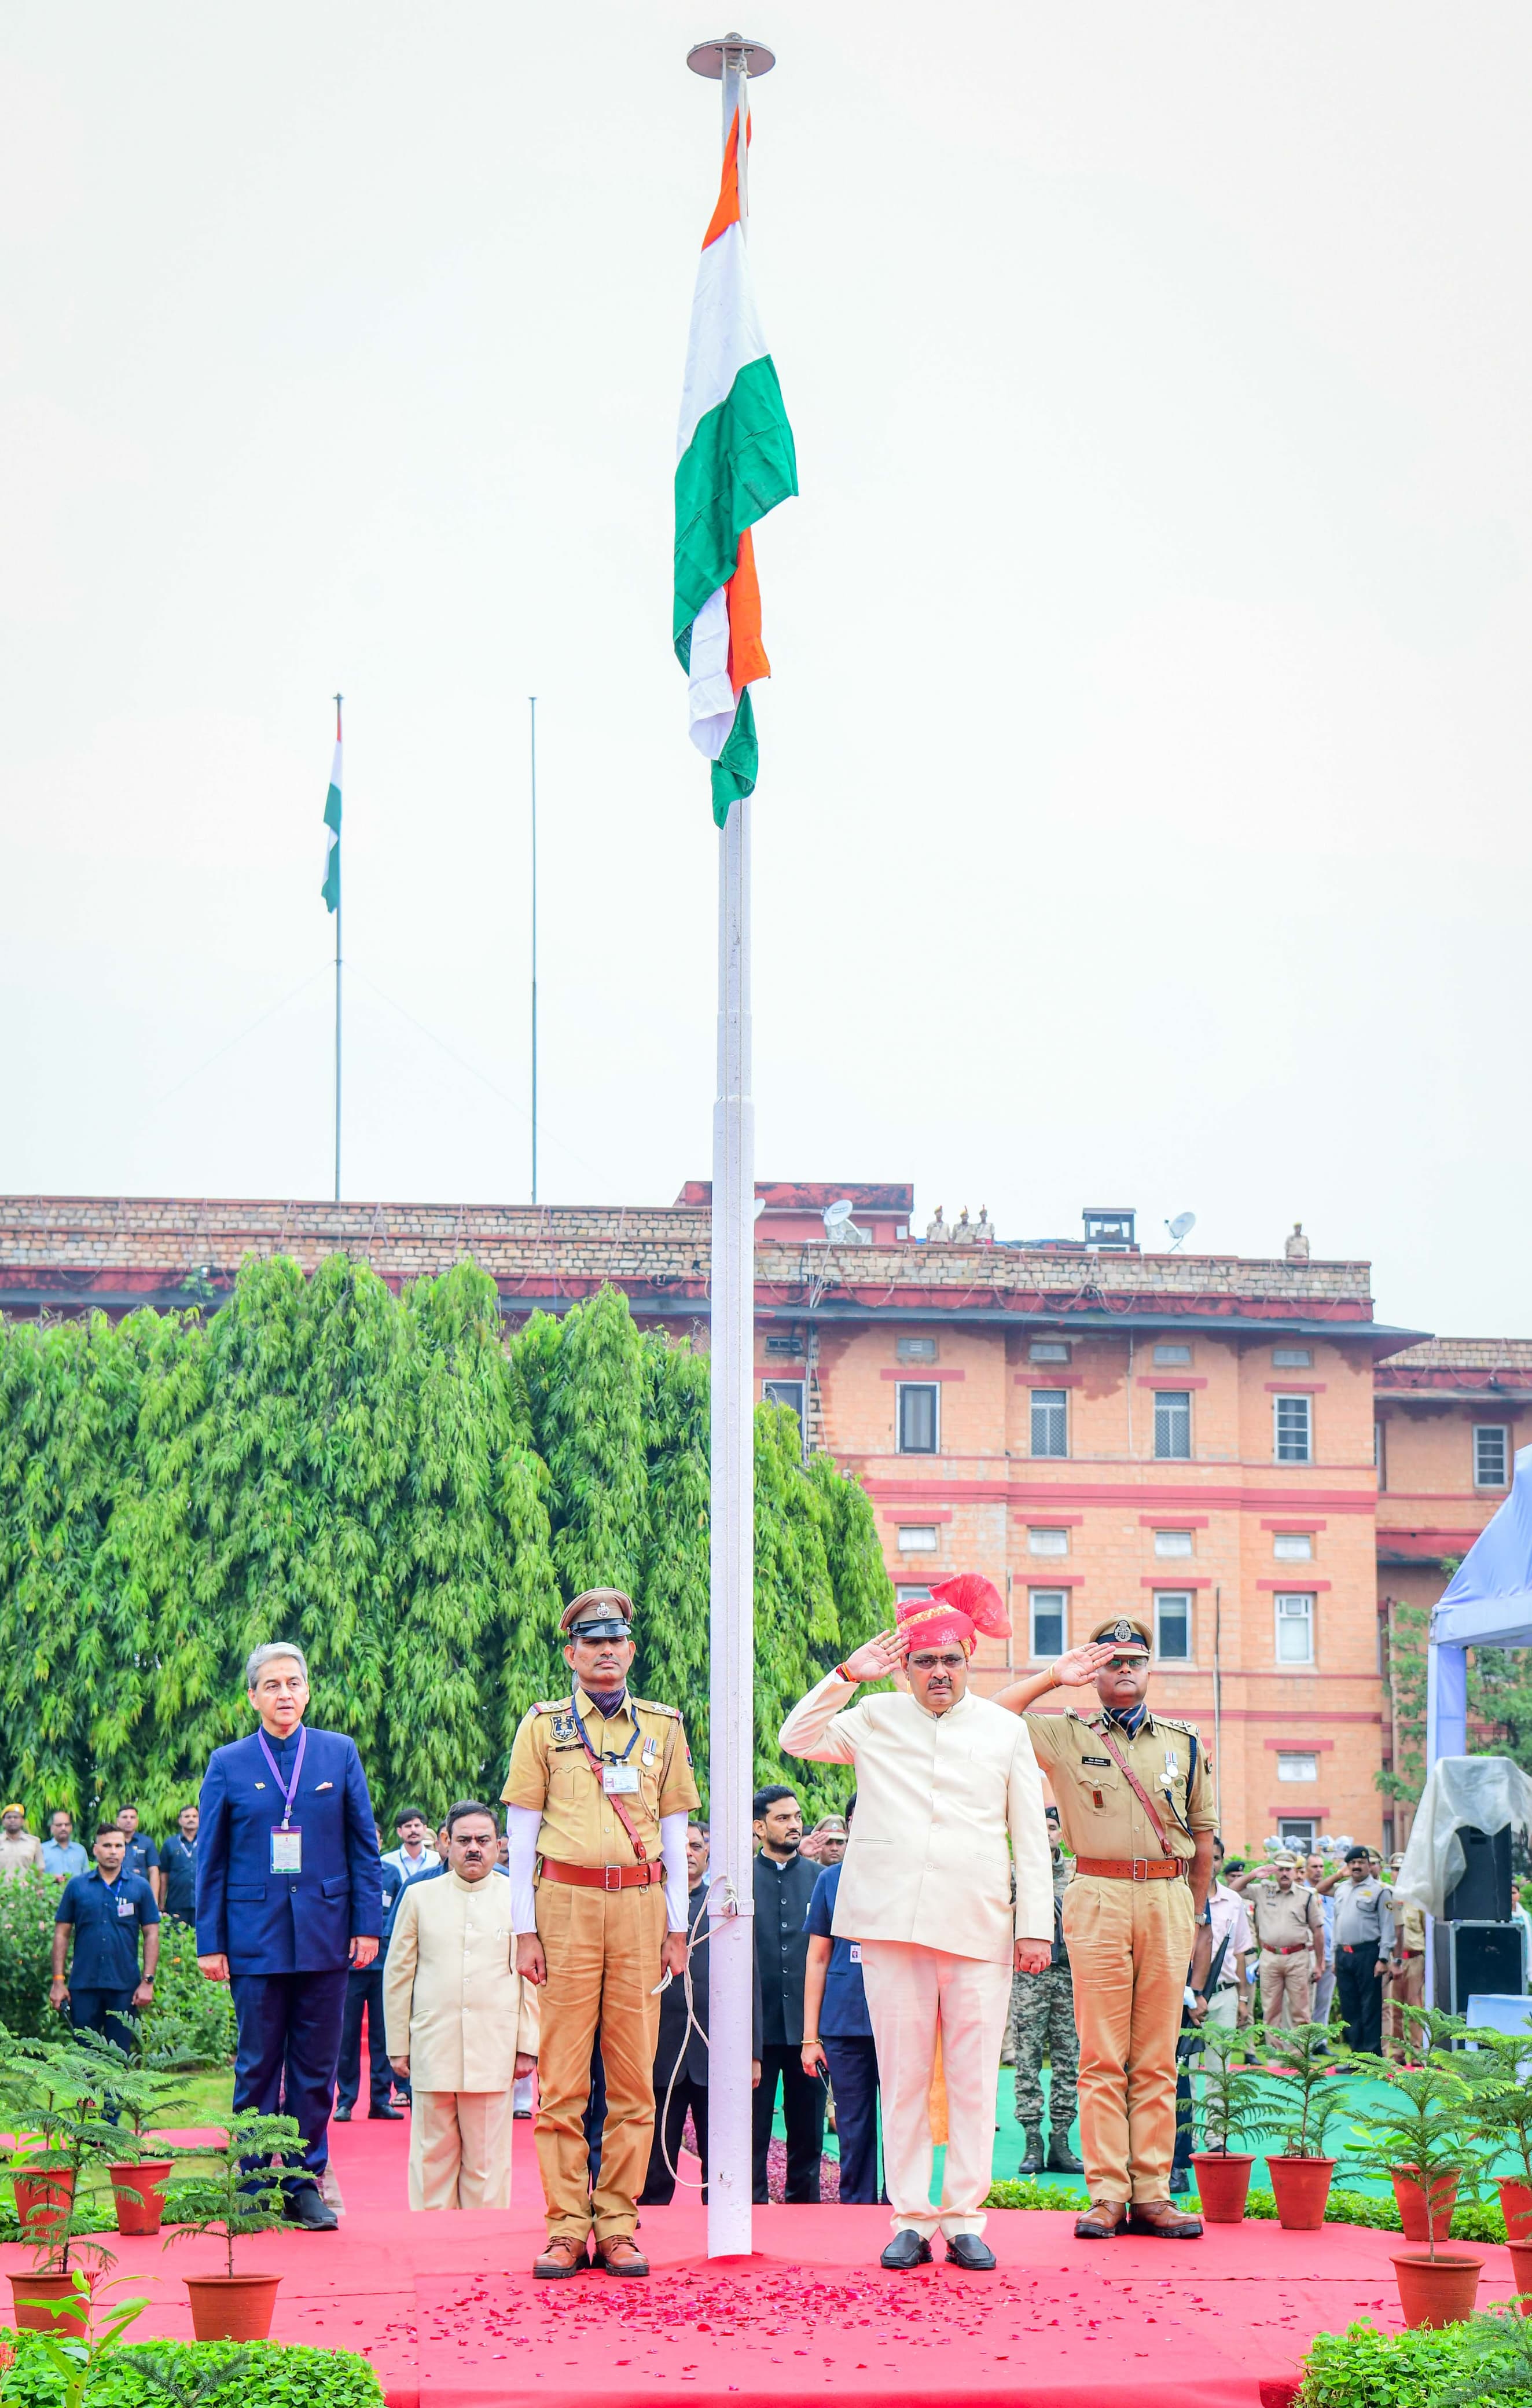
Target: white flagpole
732 1750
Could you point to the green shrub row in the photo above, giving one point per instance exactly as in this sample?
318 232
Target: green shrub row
1486 2363
1474 2220
149 2374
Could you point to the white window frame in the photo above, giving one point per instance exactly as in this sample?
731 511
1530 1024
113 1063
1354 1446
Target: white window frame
935 1387
1502 1431
1175 1353
1297 1396
912 1592
1162 1401
1036 1530
1185 1602
1056 1397
1298 1832
1291 1359
1048 1601
1048 1350
1176 1554
800 1389
918 1538
1287 1597
1289 1756
1292 1546
914 1349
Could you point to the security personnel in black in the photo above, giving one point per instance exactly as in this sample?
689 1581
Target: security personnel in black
365 1994
680 2055
107 1910
784 1885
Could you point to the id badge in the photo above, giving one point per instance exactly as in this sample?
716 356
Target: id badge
287 1850
620 1780
855 1947
126 1909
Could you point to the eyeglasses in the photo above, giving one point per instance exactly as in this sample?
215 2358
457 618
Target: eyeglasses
923 1663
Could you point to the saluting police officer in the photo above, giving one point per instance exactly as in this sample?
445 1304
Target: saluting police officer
1136 1803
597 1801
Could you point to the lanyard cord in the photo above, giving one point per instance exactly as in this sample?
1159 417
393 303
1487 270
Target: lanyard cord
610 1756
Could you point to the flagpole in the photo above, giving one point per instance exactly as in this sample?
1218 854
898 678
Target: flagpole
338 993
732 1567
532 701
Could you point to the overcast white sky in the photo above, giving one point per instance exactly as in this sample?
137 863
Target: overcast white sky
1144 815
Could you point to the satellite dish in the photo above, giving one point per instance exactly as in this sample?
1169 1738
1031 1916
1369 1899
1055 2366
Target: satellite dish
834 1214
1182 1227
760 1208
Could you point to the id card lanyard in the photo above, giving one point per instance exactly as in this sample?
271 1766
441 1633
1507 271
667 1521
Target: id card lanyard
618 1777
286 1836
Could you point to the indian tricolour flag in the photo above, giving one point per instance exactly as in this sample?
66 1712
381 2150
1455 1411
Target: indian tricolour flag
331 888
733 462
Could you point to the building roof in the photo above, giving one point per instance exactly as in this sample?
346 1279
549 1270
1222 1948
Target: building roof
1470 1368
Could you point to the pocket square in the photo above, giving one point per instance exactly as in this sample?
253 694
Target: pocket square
322 1785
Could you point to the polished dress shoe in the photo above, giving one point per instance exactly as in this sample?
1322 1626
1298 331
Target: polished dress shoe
1103 2221
305 2207
1061 2157
1181 2181
966 2249
385 2115
1155 2219
340 2115
906 2249
620 2254
564 2255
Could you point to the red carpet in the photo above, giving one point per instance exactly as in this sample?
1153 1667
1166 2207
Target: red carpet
445 2308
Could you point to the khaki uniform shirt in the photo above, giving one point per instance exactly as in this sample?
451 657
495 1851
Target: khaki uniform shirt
1290 1920
1097 1809
451 2000
1410 1922
18 1854
551 1771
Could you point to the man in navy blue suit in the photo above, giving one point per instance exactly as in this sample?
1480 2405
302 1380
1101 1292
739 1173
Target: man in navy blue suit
289 1898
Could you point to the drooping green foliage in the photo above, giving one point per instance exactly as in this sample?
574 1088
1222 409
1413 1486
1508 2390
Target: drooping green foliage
411 1497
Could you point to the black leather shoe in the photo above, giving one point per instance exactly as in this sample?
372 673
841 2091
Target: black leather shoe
304 2206
385 2115
1032 2153
1181 2181
975 2255
1061 2157
906 2249
340 2115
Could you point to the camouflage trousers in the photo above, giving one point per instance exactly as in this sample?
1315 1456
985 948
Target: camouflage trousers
1042 2017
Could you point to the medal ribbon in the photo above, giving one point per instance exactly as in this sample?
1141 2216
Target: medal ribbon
289 1793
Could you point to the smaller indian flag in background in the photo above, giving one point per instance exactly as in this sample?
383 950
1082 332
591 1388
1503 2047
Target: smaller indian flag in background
735 461
331 888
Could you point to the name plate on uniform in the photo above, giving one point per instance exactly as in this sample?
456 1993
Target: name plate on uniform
620 1780
287 1851
126 1910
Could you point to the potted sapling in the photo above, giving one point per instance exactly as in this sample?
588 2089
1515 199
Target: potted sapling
61 2090
1305 2099
1495 2068
1232 2108
1426 2138
235 2192
156 2092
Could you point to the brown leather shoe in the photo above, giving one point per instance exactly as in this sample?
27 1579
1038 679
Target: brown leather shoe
1158 2220
1103 2221
620 2254
564 2255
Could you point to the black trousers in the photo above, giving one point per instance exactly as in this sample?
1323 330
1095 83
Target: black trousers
660 2182
853 2078
289 2026
110 2013
363 1991
803 2109
1361 1996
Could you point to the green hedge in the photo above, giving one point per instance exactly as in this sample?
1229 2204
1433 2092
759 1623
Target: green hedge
1475 2220
1486 2363
269 2375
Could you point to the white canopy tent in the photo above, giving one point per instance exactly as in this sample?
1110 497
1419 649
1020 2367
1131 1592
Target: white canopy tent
1486 1603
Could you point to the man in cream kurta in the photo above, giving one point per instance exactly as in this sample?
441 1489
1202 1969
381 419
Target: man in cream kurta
462 2023
943 1779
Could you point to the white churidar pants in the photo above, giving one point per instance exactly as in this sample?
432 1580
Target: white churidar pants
460 2148
910 1991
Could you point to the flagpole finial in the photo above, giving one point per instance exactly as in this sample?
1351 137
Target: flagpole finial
713 58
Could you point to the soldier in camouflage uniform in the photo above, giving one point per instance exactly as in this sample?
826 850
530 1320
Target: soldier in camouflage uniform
1042 2015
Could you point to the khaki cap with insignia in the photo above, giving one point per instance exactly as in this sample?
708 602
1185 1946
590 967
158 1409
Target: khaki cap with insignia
600 1613
1122 1631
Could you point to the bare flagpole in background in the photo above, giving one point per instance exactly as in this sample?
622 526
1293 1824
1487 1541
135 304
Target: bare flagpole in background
532 701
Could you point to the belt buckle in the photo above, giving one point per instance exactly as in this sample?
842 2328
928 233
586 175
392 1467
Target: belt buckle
1134 1873
611 1877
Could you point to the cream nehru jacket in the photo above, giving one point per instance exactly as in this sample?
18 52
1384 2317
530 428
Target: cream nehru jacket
451 2000
936 1797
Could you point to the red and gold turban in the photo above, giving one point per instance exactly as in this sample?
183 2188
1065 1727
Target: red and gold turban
959 1608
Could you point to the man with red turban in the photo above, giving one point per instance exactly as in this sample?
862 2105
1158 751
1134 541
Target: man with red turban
944 1780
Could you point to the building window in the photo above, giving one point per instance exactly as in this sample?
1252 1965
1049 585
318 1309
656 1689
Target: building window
1295 1629
788 1346
1297 1832
1294 1429
1294 1764
1172 1626
1049 1421
1048 1612
1172 1542
917 1538
915 1349
1380 1453
1172 1424
1048 1542
1177 1353
1490 1456
784 1392
909 1593
1048 1350
919 1417
1291 1359
1293 1547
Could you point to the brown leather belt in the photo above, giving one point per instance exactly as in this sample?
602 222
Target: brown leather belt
602 1876
1134 1868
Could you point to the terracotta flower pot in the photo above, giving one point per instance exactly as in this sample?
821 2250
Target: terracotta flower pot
1409 2195
1516 2206
1222 2184
1438 2290
146 2182
1521 2263
33 2297
42 2201
1301 2186
231 2307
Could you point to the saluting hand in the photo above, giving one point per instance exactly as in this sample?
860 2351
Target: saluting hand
880 1658
1077 1667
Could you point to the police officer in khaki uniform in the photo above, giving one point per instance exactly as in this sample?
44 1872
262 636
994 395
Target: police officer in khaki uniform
1289 1923
1136 1802
597 1801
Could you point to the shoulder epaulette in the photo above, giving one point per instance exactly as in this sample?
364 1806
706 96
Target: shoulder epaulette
652 1706
1173 1722
552 1706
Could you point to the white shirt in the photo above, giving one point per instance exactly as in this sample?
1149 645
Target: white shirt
1229 1921
412 1866
936 1796
453 2002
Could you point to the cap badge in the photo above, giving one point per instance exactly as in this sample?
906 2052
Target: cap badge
1122 1629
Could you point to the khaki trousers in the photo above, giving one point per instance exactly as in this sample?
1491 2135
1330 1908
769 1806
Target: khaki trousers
912 1993
1287 1984
1130 1950
1405 1988
460 2148
602 1950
